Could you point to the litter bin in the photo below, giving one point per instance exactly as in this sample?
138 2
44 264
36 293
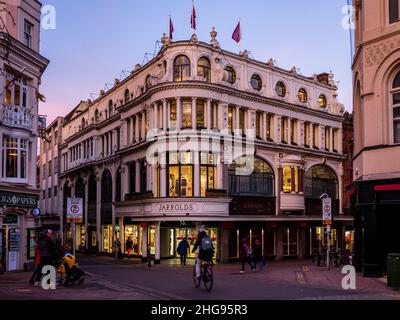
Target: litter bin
393 270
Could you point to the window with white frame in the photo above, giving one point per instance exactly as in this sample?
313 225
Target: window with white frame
16 90
15 157
28 31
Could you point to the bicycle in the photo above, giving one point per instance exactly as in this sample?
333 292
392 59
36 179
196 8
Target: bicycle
206 274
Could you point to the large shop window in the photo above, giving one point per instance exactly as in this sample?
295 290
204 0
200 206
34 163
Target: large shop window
258 183
180 174
15 157
290 177
208 172
396 109
181 68
321 179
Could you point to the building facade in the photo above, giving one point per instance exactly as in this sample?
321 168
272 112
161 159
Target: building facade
21 68
198 136
48 169
376 166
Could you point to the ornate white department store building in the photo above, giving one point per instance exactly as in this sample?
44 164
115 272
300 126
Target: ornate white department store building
153 158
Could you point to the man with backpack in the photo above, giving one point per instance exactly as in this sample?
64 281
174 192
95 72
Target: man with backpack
204 248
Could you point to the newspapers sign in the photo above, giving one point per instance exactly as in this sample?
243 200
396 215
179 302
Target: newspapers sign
74 210
327 211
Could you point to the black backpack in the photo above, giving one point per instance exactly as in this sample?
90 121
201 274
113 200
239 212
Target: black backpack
206 244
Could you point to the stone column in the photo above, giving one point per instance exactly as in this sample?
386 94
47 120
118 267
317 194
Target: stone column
155 117
215 115
124 181
277 129
144 242
340 141
237 118
321 139
209 115
165 115
163 180
149 177
137 176
178 114
143 126
293 179
264 126
331 139
223 116
157 259
137 128
289 131
300 133
301 180
196 180
194 113
311 135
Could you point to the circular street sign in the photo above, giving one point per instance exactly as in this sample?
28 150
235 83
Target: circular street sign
75 209
36 212
327 208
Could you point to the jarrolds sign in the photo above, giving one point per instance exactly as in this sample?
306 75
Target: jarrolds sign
175 207
18 200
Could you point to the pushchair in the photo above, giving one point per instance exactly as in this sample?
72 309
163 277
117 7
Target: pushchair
69 271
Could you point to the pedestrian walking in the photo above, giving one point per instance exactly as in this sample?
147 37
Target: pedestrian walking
117 249
37 264
48 253
258 258
182 250
129 247
246 255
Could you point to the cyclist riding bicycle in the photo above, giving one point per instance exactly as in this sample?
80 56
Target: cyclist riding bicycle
204 248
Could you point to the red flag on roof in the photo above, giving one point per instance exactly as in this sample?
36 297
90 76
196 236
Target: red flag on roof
171 28
193 18
237 34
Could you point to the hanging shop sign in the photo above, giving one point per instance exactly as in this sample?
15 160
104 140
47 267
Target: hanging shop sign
19 200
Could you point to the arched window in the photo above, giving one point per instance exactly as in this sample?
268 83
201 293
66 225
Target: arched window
280 89
256 182
126 96
106 198
110 108
256 82
96 115
148 82
396 108
204 68
320 179
230 75
181 68
302 95
322 101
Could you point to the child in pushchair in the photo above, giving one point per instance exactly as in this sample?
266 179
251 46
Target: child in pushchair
69 271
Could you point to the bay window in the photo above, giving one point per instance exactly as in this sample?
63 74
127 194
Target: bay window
15 158
180 174
291 179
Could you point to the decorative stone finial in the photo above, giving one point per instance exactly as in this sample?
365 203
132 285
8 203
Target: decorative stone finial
165 40
194 38
331 82
101 92
294 70
214 42
116 82
244 54
137 67
271 62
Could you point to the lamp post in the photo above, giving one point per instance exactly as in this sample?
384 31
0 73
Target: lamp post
327 220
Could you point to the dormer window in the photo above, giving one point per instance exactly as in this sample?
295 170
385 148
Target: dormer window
230 75
256 82
280 89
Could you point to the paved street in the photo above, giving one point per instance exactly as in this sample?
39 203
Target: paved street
130 280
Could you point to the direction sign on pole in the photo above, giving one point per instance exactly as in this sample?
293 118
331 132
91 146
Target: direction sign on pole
327 211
